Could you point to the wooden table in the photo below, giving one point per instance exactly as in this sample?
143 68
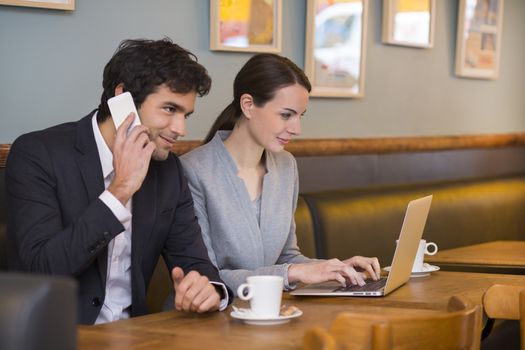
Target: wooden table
492 257
174 329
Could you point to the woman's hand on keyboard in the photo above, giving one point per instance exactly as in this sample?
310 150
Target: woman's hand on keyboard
326 270
370 266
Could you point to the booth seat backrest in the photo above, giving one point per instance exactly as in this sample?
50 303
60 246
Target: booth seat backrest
368 221
304 229
3 252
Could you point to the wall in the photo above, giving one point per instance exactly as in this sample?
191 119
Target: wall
51 65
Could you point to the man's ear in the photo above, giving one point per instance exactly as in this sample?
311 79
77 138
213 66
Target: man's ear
119 89
247 105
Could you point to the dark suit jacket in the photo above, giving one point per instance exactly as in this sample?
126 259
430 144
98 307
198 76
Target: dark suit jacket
57 224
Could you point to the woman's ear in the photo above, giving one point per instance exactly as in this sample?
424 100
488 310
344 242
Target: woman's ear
247 105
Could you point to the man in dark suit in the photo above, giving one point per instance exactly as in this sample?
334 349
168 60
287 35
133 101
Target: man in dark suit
98 203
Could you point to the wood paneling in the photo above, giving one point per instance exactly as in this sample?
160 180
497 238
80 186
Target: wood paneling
334 147
4 149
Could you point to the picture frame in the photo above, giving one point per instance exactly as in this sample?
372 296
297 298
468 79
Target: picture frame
246 25
335 47
409 23
478 43
49 4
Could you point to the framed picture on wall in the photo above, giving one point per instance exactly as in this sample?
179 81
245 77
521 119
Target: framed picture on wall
478 43
409 22
245 25
50 4
335 47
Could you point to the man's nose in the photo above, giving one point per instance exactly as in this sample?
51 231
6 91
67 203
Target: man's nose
178 125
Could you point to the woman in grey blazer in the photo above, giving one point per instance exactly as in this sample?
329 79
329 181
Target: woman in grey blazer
245 186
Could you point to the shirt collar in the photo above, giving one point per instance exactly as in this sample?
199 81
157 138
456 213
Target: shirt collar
104 153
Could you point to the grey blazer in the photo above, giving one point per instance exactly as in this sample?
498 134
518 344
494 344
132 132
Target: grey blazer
237 244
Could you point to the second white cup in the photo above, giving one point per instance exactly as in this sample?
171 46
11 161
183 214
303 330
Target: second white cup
421 251
264 294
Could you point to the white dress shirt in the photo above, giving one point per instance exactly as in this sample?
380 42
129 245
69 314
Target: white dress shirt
118 280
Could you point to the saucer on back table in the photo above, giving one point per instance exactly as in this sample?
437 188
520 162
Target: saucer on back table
427 269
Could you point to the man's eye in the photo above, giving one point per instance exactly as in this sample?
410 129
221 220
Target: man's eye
170 109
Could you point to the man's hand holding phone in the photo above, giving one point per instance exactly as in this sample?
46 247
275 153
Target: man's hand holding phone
132 152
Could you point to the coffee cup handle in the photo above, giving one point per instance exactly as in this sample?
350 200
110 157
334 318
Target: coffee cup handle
434 250
241 291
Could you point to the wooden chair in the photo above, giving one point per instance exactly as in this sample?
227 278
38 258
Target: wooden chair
508 303
460 328
318 338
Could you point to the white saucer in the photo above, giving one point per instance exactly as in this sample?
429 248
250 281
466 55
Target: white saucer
263 321
427 269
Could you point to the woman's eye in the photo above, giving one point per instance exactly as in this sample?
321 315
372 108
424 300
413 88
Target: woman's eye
286 116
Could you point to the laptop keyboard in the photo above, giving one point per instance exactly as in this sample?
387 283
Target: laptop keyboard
370 286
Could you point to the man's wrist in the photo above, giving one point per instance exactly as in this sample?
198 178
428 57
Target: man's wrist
120 192
223 294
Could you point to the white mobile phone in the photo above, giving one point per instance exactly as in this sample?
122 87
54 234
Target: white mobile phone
120 107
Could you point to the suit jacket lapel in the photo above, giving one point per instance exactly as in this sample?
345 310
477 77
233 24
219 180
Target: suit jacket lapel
144 209
90 169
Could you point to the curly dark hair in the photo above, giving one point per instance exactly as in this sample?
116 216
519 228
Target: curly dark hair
141 66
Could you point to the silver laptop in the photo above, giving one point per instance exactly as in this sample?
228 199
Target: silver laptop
406 250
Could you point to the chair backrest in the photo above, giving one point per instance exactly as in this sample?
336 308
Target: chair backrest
317 338
37 312
460 328
508 303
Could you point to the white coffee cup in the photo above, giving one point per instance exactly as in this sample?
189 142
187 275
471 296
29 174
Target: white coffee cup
421 251
264 294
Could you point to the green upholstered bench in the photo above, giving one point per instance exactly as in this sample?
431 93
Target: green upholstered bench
307 240
367 221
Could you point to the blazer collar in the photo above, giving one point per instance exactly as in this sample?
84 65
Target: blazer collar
88 160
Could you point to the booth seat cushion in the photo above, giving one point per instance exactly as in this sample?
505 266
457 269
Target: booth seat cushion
367 221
